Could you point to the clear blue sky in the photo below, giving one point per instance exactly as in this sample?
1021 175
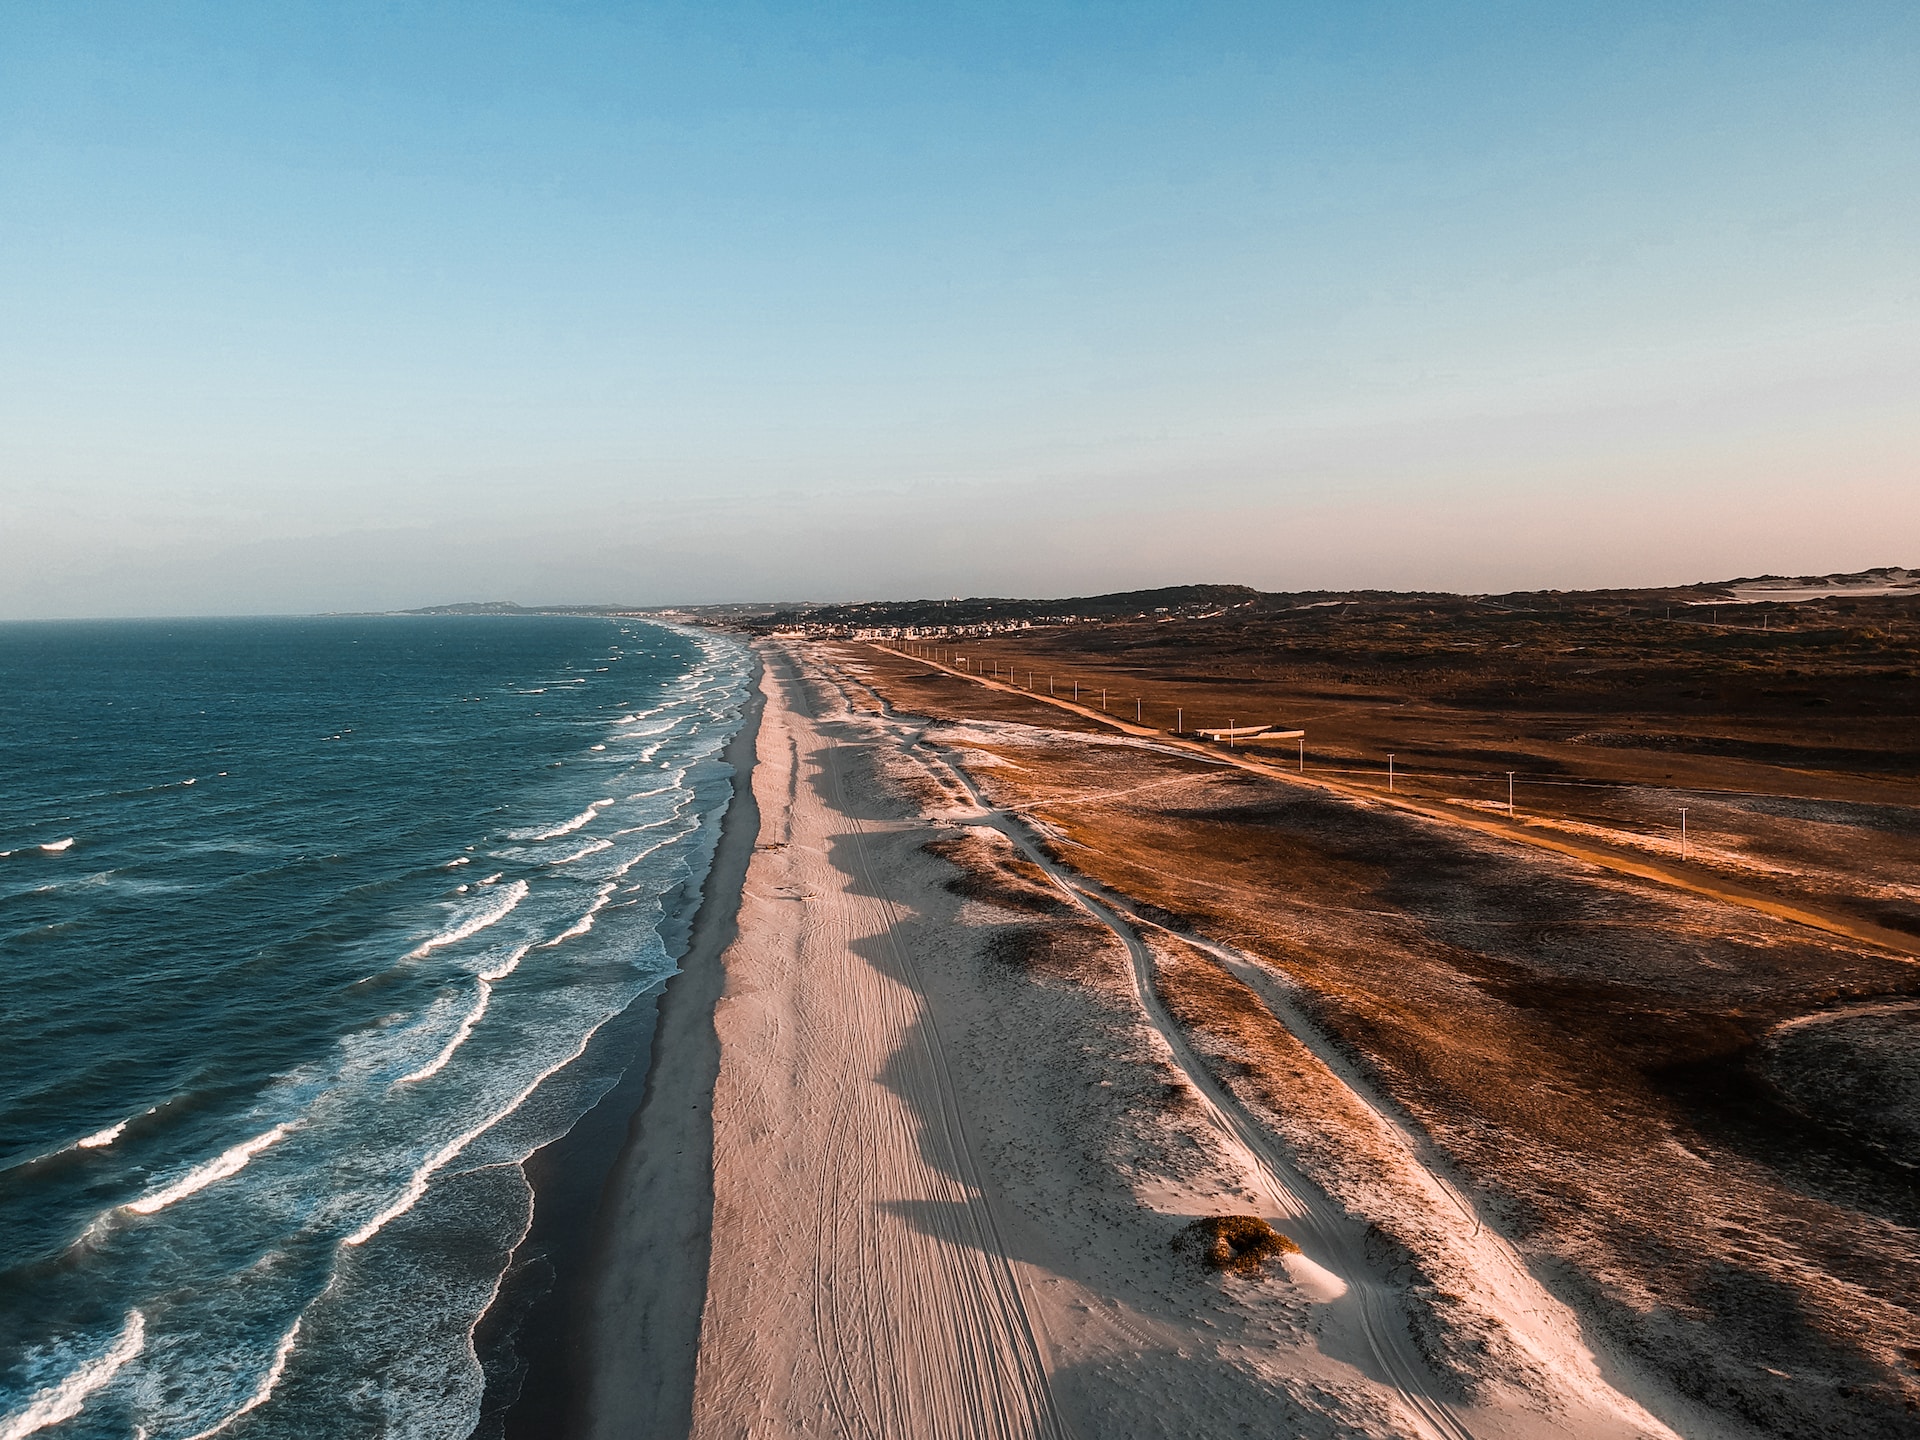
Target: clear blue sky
330 306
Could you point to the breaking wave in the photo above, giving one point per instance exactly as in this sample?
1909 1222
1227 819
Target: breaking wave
567 827
264 1390
100 1139
491 914
58 1403
417 1183
223 1165
473 1017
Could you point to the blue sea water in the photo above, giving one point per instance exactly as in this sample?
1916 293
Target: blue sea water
304 928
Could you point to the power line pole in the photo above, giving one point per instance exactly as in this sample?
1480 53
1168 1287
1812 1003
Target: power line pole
1509 794
1389 772
1683 832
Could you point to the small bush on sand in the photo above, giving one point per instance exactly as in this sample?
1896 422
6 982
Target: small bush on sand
1239 1243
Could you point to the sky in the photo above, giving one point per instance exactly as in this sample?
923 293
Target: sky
349 306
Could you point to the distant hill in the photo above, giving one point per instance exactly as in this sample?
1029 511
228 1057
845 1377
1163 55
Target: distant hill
474 607
1183 600
1205 602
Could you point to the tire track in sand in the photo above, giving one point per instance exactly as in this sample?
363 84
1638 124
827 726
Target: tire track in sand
894 1309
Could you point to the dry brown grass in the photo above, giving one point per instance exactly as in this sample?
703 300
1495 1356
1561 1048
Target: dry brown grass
917 688
1237 1244
1239 1038
1059 943
1570 1041
995 874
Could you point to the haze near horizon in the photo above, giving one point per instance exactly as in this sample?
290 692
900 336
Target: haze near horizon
353 307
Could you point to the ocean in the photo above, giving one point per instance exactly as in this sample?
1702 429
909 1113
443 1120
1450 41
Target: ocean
305 929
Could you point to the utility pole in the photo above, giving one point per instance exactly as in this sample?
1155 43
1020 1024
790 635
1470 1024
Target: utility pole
1303 754
1136 709
1389 772
1179 719
1230 725
1103 697
1509 794
1683 832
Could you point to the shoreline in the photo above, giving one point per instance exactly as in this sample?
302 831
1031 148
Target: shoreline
929 1122
635 1328
535 1338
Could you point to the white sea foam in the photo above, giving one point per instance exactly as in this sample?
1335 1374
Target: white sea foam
495 911
650 825
460 1036
100 1139
58 1403
569 826
491 879
228 1162
585 922
416 1185
456 863
506 967
594 849
58 845
264 1389
620 870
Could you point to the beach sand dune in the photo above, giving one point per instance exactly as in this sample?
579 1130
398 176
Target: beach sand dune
954 1142
858 1283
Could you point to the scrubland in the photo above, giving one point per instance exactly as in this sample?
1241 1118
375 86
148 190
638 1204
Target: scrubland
1691 1116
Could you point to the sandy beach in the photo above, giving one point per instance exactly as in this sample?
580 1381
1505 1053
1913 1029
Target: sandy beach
922 1138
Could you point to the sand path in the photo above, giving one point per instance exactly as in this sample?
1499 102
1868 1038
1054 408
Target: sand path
1363 1314
858 1285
